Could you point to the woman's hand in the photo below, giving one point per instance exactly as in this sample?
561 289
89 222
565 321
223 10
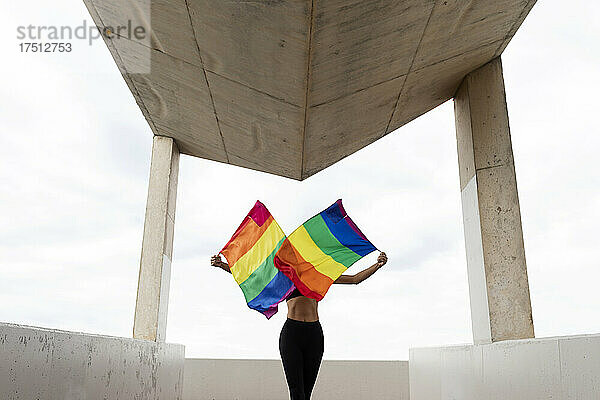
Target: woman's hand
216 261
364 274
381 260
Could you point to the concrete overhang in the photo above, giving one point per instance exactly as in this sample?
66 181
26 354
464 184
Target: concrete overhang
290 87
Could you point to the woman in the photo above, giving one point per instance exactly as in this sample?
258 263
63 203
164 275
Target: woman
301 338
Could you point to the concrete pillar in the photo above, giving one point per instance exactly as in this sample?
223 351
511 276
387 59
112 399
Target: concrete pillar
497 272
157 246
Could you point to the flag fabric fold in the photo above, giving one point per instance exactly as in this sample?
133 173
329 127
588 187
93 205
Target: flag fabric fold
250 254
321 250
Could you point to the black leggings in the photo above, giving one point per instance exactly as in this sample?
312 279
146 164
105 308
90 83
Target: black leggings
301 349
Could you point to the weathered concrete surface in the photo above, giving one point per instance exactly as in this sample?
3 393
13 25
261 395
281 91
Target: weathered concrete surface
497 271
560 368
265 380
46 364
152 300
290 87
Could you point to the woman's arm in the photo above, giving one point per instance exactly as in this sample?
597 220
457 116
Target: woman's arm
216 261
364 274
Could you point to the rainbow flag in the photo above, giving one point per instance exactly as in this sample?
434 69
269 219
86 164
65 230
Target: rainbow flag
250 253
321 250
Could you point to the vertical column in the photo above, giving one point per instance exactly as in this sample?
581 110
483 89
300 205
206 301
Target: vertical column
497 272
152 301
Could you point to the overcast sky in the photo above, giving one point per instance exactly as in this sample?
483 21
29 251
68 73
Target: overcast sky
75 154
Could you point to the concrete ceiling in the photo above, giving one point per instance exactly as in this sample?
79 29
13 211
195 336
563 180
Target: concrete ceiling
290 87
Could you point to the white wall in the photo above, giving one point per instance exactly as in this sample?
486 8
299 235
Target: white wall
558 368
264 380
45 364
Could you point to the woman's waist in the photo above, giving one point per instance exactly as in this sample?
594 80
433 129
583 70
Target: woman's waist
302 322
303 314
302 327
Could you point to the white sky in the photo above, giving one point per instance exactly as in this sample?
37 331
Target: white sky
75 153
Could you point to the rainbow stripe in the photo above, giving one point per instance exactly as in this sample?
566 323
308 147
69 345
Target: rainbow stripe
250 253
321 250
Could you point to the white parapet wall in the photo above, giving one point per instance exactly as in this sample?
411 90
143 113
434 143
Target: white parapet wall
220 379
558 368
47 364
